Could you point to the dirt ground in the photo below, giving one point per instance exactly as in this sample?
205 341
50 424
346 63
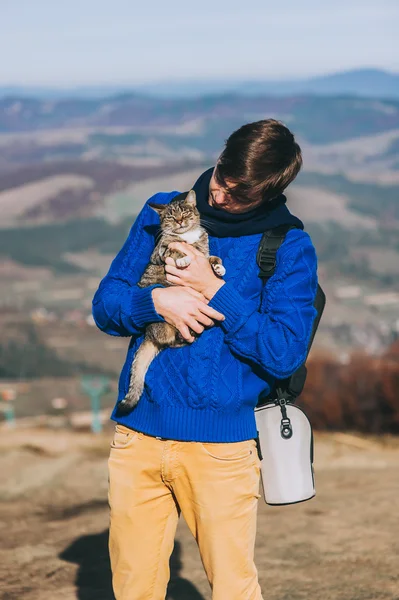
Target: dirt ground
341 545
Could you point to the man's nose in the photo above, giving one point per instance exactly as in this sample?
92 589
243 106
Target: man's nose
220 199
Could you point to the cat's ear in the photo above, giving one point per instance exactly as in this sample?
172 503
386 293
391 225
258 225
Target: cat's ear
159 208
191 199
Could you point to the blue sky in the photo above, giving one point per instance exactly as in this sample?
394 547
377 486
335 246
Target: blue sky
84 42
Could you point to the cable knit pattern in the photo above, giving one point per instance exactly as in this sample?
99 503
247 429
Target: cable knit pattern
120 307
204 361
206 391
276 338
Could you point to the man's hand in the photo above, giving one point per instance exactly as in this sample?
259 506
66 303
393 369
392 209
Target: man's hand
184 307
198 275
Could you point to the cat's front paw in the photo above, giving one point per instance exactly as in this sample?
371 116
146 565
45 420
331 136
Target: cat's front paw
217 265
219 270
182 262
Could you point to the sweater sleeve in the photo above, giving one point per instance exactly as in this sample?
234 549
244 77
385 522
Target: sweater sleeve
276 335
120 306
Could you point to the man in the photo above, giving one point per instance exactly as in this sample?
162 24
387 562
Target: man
189 444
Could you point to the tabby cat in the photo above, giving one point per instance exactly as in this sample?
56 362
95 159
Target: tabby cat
180 220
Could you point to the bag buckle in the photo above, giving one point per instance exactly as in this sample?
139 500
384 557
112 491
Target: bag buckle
286 428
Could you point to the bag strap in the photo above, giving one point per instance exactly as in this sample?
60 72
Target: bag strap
291 387
269 244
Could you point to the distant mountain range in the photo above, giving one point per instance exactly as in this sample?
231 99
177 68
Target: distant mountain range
364 82
360 82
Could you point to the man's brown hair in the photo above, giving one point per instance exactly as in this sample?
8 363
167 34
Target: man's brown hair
259 161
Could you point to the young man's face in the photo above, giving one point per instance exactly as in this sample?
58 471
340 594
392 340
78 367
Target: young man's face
220 199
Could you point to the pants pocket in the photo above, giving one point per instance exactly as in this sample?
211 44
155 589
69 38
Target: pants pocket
123 437
230 451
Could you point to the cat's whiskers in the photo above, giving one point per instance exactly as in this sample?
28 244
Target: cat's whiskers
206 222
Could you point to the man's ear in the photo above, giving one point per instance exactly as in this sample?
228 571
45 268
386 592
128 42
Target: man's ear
159 208
191 199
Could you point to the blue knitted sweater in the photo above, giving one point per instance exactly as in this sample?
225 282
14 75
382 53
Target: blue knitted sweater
206 391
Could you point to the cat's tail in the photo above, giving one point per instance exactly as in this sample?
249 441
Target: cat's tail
144 356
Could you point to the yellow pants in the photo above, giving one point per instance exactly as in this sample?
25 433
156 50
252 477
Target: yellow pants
215 486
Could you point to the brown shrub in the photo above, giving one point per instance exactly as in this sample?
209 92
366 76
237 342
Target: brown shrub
362 395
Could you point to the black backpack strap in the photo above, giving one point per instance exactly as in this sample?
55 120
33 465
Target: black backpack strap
269 244
291 387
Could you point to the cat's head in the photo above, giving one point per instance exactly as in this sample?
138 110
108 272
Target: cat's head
178 216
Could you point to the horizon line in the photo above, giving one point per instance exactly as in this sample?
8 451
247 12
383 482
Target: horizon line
201 79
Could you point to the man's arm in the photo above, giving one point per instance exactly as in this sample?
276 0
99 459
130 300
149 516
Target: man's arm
276 336
120 306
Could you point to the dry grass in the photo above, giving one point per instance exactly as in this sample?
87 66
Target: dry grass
341 545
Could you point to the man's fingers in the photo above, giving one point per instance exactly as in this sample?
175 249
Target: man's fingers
185 332
195 326
195 294
172 270
194 250
174 279
211 312
203 319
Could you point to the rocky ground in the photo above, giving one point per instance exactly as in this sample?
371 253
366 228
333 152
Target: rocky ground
341 545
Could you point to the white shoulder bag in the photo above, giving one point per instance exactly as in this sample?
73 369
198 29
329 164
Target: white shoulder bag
285 438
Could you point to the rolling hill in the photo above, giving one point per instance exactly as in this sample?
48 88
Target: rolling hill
202 121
